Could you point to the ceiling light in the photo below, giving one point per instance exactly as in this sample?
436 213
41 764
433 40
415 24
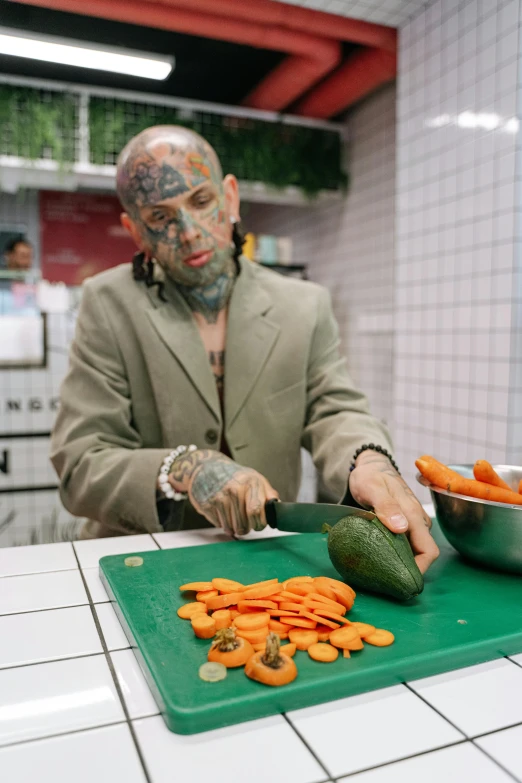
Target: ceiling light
84 55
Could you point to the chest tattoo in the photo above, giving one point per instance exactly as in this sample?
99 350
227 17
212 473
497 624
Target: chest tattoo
217 362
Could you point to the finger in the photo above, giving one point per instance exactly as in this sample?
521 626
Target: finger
388 510
255 505
237 515
222 515
424 547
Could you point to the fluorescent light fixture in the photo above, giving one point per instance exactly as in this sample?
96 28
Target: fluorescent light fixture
84 55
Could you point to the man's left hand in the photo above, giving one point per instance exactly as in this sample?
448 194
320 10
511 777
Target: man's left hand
375 484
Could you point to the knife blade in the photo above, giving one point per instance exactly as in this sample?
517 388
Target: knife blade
308 517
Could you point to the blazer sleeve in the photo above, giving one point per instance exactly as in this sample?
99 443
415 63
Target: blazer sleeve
105 474
338 418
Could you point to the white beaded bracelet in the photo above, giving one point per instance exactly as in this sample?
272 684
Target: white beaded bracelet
163 480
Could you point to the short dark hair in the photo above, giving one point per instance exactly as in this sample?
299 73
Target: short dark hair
11 245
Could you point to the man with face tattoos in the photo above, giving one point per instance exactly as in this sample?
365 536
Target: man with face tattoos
196 376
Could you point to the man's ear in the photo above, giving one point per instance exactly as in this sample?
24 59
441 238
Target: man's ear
131 228
231 190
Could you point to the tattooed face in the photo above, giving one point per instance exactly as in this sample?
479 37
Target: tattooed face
178 207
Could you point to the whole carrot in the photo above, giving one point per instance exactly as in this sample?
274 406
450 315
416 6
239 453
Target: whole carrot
445 478
484 471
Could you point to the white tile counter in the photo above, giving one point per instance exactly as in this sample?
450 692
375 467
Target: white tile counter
74 704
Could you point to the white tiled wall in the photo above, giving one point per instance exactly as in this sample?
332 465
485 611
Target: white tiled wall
456 245
349 247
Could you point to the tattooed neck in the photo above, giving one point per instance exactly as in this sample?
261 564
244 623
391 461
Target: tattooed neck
209 300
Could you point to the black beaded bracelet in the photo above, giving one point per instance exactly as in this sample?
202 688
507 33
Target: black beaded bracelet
373 447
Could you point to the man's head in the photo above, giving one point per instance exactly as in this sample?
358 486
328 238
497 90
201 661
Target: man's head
19 254
178 208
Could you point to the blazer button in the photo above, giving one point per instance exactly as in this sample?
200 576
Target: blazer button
211 436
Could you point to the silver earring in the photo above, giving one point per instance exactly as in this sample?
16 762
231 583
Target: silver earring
233 220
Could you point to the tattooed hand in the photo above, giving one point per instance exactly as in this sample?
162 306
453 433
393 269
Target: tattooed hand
227 494
376 484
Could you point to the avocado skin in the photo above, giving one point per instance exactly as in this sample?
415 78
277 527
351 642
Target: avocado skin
371 558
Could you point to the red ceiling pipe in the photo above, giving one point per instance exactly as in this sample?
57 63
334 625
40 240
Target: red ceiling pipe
306 20
360 75
311 57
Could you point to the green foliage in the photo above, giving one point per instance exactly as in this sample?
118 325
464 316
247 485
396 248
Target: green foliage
37 124
253 150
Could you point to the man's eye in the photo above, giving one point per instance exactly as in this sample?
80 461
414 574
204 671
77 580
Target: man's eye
202 201
158 216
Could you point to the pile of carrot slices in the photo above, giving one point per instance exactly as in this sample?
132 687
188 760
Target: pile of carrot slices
308 613
486 484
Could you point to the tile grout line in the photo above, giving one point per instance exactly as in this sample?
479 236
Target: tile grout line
404 758
309 748
51 660
495 761
46 609
65 733
468 738
114 676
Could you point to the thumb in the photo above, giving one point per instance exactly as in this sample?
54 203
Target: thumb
390 513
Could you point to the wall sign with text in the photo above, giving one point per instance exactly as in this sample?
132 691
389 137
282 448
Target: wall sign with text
81 235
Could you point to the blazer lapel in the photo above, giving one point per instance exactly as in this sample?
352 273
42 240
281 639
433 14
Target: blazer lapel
176 327
251 336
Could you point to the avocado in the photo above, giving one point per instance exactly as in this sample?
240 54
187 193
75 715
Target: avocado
370 557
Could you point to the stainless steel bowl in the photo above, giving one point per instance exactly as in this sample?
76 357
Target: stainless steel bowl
485 532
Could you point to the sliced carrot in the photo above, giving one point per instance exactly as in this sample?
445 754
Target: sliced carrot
321 620
332 615
300 589
286 595
380 638
289 649
254 637
261 584
204 594
203 625
296 579
260 646
281 613
364 629
303 638
345 599
281 635
222 601
252 622
233 612
324 590
336 584
187 611
222 618
520 487
323 632
323 652
196 587
278 627
343 637
256 593
301 622
242 605
271 666
287 606
357 644
333 605
227 585
346 653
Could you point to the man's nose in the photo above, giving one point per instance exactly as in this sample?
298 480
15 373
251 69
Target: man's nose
188 228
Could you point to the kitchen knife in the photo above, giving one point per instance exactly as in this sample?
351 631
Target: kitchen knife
308 517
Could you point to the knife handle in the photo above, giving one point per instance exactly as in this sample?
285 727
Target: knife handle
270 513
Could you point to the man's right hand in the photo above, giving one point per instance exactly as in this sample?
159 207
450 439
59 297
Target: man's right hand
227 494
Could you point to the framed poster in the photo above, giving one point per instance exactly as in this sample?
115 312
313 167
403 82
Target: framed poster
81 235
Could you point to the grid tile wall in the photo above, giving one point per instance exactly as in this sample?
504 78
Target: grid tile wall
349 247
456 251
388 12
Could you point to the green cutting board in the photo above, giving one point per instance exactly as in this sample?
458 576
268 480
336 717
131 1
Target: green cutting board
464 616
